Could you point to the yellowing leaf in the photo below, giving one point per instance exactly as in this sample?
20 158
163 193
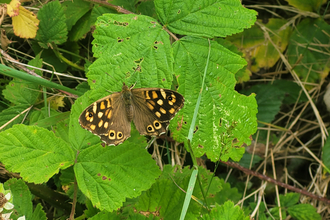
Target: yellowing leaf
13 8
25 23
56 102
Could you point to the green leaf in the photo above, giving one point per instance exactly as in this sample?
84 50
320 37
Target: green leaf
227 193
22 198
307 5
82 27
269 98
106 215
130 46
52 120
39 213
52 28
25 149
166 196
19 91
204 18
224 115
247 157
61 130
10 113
289 199
307 46
49 56
226 211
75 10
109 175
304 212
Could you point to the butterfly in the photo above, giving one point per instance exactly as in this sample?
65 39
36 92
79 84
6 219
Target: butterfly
150 109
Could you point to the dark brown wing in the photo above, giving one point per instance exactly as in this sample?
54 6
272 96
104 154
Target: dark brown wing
107 119
153 108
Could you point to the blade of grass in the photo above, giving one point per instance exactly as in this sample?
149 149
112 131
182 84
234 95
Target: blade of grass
190 190
40 81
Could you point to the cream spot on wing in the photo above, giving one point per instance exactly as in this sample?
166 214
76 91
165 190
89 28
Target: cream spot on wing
162 110
94 107
163 93
160 102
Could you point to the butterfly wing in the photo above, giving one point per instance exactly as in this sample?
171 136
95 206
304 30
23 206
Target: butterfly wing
107 119
153 108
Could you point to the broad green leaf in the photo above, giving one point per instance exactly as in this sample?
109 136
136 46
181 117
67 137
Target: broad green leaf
45 114
106 215
269 98
11 112
308 50
166 197
293 92
289 199
52 28
227 193
39 213
130 46
61 130
224 114
307 5
25 149
109 175
147 8
247 157
226 211
304 212
243 75
49 56
82 27
215 18
75 10
22 198
19 91
275 213
52 120
36 62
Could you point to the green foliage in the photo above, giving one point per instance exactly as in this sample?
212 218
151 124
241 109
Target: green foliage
271 96
164 45
204 18
26 149
311 34
289 206
226 211
52 29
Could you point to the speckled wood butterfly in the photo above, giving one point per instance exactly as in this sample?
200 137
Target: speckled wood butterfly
151 109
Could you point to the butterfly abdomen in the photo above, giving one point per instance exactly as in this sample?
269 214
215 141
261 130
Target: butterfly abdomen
127 97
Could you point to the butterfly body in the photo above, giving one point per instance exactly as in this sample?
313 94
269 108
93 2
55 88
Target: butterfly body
150 109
